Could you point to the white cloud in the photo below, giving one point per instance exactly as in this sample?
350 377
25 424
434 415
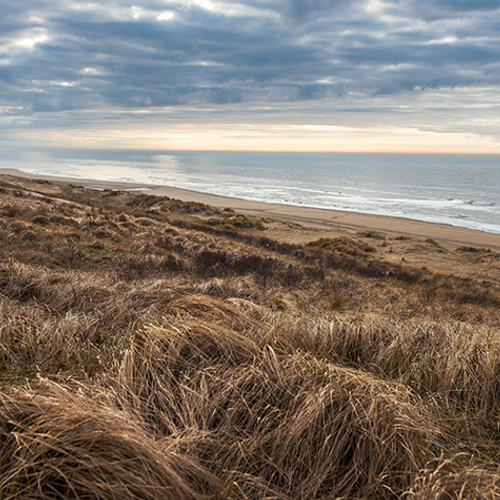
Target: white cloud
165 16
362 63
31 42
206 4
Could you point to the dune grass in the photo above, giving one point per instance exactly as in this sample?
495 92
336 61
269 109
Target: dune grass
151 348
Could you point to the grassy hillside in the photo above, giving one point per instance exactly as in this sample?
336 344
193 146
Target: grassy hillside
151 348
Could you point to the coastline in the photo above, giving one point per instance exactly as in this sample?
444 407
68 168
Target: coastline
319 218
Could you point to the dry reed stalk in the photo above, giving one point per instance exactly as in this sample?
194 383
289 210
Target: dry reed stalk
309 428
32 338
167 360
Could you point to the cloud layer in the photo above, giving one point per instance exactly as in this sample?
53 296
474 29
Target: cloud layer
67 58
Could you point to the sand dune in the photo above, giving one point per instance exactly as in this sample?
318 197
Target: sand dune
324 219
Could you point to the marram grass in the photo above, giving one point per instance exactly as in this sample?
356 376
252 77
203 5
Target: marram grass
151 348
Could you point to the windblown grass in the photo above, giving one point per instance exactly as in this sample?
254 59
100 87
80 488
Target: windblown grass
151 348
55 444
450 360
306 427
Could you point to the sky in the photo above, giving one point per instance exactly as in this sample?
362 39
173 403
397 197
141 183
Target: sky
282 75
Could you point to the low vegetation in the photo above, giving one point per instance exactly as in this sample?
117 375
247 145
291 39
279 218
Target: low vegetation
152 348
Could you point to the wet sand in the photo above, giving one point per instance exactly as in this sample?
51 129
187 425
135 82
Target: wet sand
325 219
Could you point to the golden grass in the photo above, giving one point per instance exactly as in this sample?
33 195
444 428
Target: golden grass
450 360
55 444
151 348
305 426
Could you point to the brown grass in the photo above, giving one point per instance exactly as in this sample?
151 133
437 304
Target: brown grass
343 245
58 445
151 348
276 416
450 360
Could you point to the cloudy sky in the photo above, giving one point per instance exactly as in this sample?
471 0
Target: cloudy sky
305 75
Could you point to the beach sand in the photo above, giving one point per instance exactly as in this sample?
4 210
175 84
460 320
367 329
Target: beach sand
322 221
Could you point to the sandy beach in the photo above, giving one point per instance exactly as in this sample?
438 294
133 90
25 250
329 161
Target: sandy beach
320 219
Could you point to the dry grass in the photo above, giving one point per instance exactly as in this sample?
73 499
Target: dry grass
343 245
151 348
55 444
452 361
458 479
306 427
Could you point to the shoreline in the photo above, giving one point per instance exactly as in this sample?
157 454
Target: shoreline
319 218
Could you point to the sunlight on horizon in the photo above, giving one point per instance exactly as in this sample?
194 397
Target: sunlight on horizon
243 137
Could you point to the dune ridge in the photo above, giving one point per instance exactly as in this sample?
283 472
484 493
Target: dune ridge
318 218
159 348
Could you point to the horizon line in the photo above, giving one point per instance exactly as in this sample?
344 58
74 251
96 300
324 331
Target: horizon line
239 150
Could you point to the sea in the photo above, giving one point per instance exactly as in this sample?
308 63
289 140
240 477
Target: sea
461 190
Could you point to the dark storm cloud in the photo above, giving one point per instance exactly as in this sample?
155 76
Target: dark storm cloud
67 55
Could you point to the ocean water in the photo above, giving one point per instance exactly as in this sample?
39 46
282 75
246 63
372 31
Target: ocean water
462 190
